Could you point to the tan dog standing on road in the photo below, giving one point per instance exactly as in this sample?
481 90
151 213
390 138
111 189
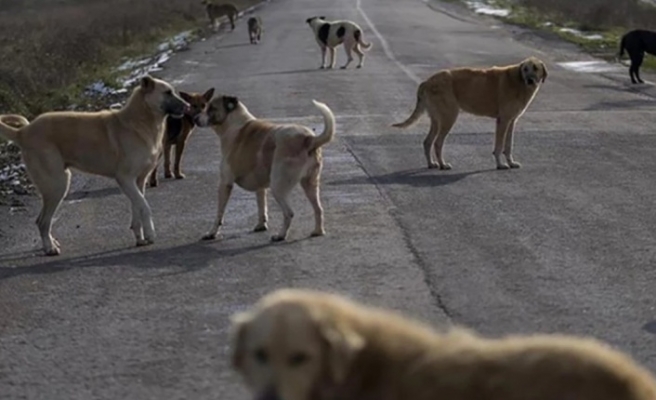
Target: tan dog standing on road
258 155
178 131
330 34
121 144
306 345
502 93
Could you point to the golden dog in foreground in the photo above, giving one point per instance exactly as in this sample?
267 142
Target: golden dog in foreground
305 345
503 93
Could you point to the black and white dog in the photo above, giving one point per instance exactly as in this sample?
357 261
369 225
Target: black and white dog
637 43
330 34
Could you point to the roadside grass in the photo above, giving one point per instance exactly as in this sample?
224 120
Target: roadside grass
52 50
575 20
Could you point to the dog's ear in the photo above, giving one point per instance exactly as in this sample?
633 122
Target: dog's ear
209 94
230 103
545 73
239 325
342 344
322 17
309 20
147 83
185 96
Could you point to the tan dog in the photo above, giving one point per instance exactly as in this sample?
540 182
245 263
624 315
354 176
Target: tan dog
177 133
122 144
216 11
258 155
306 345
502 93
330 34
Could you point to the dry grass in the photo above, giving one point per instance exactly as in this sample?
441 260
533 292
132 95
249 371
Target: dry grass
51 49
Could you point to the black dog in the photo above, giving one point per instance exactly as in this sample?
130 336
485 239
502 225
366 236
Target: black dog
637 43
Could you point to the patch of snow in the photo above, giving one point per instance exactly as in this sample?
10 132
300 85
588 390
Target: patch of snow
590 66
580 34
480 7
11 173
138 68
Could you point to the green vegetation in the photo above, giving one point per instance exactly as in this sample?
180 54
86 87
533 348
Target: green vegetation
609 19
53 49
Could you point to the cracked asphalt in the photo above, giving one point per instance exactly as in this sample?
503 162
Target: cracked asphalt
565 244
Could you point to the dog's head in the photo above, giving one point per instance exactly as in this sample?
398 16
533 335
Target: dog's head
288 347
217 111
311 20
197 102
161 97
533 71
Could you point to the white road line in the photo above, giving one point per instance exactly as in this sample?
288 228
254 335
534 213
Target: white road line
386 47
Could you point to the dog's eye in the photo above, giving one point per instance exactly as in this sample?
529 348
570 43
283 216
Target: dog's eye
261 356
298 359
535 68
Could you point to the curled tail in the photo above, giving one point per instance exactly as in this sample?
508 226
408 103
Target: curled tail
622 47
10 126
420 107
358 38
329 126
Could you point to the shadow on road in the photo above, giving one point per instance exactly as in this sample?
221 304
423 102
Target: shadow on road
296 71
186 258
93 194
630 104
422 177
228 46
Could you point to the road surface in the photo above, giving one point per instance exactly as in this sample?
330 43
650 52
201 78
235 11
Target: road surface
565 244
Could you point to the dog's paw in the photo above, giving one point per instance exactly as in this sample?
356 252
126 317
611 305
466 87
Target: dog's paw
261 228
318 233
514 164
502 166
54 251
180 176
277 238
144 242
433 165
322 67
342 67
210 236
168 175
446 166
359 66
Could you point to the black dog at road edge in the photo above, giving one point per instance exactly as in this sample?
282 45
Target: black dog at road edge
637 42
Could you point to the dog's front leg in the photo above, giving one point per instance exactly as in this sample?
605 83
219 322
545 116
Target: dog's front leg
167 160
323 57
333 57
261 211
499 139
225 189
508 146
142 222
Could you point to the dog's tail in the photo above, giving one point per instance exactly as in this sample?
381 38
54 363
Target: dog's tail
329 126
418 111
10 126
358 38
622 47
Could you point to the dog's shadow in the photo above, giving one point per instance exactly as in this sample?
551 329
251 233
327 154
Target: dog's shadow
421 178
296 71
230 46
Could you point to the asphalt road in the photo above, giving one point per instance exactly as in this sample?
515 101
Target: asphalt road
565 244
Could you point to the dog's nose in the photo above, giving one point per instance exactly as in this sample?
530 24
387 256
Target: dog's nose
186 107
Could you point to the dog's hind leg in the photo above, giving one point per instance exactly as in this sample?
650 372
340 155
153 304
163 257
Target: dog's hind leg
261 211
428 144
447 121
167 160
360 54
283 180
310 185
499 139
52 182
634 71
348 47
508 146
142 221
